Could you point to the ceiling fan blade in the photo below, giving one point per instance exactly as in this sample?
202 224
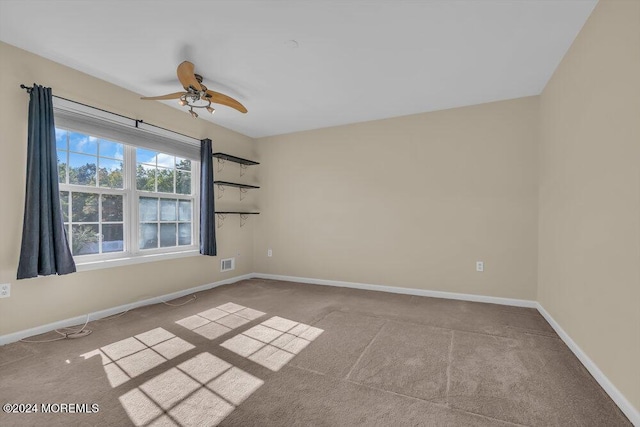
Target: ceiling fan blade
219 98
168 96
187 77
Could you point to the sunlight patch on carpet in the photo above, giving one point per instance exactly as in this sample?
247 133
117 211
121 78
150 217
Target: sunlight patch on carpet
274 342
130 357
200 391
217 321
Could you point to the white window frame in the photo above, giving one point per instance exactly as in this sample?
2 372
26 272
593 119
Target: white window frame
132 254
134 212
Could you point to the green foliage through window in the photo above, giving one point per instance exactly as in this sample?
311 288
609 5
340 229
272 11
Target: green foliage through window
96 192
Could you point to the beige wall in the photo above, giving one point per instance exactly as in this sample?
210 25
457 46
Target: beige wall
40 301
411 201
589 268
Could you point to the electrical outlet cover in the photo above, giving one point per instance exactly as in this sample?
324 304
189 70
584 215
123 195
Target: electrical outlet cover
5 290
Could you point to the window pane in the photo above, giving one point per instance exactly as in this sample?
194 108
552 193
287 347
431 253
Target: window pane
165 180
146 156
61 139
110 173
167 235
148 236
84 207
184 234
112 238
111 149
184 210
112 208
167 210
64 205
148 209
146 178
166 161
183 164
183 182
82 169
84 239
83 143
62 166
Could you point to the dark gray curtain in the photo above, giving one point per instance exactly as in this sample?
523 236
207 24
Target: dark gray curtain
207 201
45 249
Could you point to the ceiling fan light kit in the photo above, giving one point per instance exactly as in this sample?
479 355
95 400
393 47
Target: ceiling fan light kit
197 95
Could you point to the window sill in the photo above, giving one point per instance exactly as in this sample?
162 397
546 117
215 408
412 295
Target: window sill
118 262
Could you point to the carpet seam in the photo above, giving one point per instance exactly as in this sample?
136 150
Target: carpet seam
395 393
449 369
365 349
431 402
523 330
368 386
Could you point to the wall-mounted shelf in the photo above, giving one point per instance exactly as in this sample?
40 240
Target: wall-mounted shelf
243 216
234 184
244 163
236 213
242 187
234 159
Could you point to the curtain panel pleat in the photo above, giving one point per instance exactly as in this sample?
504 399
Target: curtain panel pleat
207 201
45 248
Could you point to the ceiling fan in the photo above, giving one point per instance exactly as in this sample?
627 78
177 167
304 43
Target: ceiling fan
196 94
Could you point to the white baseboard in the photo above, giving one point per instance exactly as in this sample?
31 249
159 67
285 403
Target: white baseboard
79 320
625 406
406 291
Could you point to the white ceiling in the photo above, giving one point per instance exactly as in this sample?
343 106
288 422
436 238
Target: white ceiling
305 64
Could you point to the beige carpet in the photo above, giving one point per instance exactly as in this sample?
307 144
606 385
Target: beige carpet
269 353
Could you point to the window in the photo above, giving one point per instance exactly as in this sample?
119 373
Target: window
163 221
123 201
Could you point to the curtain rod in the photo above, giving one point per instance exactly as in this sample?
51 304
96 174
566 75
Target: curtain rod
29 89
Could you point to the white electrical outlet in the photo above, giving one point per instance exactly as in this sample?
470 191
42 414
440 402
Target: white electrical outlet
480 266
269 252
5 290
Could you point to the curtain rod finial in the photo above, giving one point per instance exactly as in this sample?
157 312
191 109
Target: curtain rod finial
27 88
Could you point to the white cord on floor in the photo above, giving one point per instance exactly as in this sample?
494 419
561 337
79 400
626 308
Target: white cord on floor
79 333
178 305
66 333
